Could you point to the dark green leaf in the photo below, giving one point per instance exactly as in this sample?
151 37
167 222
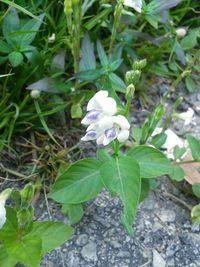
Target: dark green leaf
73 211
15 58
159 139
190 41
102 54
52 234
152 162
79 183
122 176
98 18
4 47
117 83
194 145
88 61
90 75
190 84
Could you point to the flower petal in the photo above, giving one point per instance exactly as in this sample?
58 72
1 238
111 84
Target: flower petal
96 100
122 122
123 136
2 214
136 4
90 135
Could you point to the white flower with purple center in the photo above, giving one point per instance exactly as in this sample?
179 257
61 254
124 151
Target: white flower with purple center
100 105
136 4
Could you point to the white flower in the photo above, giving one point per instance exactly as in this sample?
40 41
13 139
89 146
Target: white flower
2 214
136 4
181 32
171 141
3 196
107 129
35 94
52 38
100 105
186 116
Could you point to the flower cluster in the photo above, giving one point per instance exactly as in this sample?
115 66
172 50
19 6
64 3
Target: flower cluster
103 125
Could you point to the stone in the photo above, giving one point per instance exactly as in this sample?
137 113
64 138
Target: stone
158 260
123 254
167 215
89 252
82 240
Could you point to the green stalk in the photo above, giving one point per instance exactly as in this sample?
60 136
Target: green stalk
117 16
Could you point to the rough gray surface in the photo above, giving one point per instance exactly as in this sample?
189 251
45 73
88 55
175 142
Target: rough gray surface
164 235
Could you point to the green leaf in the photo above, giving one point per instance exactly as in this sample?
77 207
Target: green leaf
5 260
88 61
190 41
89 75
102 54
52 234
76 111
103 155
122 175
79 183
11 24
10 229
159 139
145 188
4 47
137 134
152 20
152 162
98 18
177 173
194 145
26 250
15 58
196 189
195 214
73 211
190 84
29 31
117 83
178 152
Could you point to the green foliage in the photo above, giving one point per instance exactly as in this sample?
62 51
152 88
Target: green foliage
194 144
122 176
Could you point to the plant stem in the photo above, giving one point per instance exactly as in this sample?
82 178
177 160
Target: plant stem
188 161
117 16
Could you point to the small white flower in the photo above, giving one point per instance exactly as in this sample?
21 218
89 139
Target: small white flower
3 196
52 38
100 105
136 4
186 116
171 141
181 32
35 94
2 214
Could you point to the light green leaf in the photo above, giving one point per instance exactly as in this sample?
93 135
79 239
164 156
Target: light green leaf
26 249
73 211
195 214
10 228
4 47
76 111
103 155
5 260
79 183
194 145
196 189
52 234
122 175
177 173
190 84
15 58
89 75
159 139
178 152
152 162
190 41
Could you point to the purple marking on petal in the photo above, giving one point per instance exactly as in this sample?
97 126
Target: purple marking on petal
92 115
91 133
110 133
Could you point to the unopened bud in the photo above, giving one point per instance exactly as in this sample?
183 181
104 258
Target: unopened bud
132 77
52 38
181 32
130 90
35 94
138 65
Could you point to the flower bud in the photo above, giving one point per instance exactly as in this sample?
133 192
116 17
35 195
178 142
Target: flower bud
132 77
181 32
130 90
35 94
138 65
